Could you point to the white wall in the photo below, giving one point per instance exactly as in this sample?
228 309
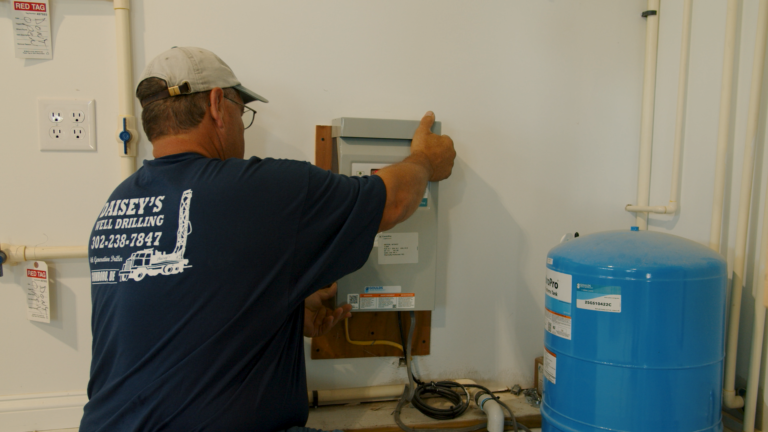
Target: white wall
542 99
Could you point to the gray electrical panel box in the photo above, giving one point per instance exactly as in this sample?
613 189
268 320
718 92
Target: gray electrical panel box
400 271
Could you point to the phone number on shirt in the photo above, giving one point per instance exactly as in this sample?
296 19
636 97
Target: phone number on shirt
116 241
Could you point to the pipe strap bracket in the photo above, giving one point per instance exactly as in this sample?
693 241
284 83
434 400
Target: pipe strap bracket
648 13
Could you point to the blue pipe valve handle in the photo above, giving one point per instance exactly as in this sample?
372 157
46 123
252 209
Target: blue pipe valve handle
3 259
124 136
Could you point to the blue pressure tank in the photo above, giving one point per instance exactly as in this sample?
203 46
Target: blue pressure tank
635 334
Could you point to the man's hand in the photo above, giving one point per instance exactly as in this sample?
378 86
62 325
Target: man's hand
431 159
318 318
438 149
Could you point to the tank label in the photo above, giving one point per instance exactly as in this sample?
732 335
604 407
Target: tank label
557 304
557 324
550 365
598 298
558 286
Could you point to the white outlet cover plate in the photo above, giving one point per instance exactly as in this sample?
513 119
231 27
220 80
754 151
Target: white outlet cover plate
72 123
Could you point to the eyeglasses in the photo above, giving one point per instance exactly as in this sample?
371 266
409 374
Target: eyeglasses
248 113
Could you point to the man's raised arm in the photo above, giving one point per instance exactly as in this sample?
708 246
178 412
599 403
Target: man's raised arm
431 159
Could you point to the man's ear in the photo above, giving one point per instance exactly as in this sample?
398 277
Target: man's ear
217 107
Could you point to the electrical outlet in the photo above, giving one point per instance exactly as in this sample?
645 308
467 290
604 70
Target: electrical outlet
76 116
75 127
57 133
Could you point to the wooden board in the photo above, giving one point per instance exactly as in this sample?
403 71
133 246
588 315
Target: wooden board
369 326
365 326
377 416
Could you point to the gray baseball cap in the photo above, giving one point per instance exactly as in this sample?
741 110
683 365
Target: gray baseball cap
191 70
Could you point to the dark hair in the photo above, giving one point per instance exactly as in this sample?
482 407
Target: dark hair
175 114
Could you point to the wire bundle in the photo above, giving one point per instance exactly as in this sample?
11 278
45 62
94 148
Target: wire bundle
460 400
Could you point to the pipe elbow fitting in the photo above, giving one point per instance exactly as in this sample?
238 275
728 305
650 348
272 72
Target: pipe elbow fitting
671 208
731 399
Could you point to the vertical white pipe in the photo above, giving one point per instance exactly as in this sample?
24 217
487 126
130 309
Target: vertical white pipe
682 87
730 399
125 87
758 329
646 116
724 125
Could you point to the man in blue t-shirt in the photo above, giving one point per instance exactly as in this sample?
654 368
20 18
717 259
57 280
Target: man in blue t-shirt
207 269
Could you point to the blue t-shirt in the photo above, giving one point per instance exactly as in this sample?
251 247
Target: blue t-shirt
199 271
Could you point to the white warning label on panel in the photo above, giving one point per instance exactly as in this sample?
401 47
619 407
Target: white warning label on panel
354 300
557 324
388 301
398 248
550 366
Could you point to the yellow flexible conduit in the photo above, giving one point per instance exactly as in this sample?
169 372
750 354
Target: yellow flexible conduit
373 342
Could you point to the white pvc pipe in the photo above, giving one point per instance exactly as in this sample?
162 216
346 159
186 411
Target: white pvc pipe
758 329
377 393
19 253
682 89
646 117
367 394
493 410
724 125
730 399
682 86
650 209
125 87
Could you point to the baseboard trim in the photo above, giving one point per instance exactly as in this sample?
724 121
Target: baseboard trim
19 413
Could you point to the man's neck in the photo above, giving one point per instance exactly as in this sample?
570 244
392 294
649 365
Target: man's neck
185 143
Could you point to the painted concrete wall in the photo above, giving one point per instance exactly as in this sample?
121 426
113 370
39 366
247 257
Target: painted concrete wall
542 99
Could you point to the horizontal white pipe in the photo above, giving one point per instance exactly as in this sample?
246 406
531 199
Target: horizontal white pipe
19 253
368 394
730 399
331 397
646 116
672 208
724 125
493 410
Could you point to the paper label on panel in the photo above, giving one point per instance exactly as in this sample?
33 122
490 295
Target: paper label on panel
37 289
32 29
398 248
388 301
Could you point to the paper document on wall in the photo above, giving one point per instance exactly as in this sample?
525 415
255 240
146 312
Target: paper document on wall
38 293
32 29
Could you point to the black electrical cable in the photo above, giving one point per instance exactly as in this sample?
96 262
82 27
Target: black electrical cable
442 389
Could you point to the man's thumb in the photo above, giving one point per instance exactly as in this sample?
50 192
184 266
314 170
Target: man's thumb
427 121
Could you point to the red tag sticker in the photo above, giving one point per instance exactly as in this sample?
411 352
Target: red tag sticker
29 6
38 274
